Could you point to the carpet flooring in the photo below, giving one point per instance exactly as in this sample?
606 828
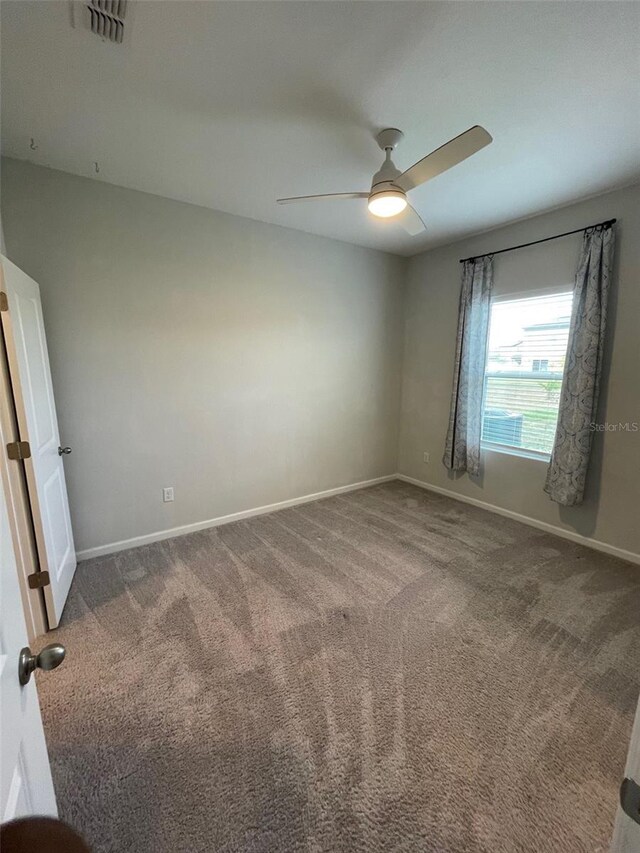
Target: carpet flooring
387 670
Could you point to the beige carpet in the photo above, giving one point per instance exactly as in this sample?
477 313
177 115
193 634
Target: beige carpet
388 670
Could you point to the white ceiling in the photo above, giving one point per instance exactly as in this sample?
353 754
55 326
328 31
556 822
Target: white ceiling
230 105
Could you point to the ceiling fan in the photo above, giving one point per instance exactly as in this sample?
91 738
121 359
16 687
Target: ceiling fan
389 188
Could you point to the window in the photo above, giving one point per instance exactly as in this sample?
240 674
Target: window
540 364
523 374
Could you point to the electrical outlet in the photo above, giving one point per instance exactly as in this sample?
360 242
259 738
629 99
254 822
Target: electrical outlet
426 457
167 494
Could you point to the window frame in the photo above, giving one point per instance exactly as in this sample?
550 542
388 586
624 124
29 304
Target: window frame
509 449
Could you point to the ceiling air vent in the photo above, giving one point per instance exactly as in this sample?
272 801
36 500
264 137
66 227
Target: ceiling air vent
106 18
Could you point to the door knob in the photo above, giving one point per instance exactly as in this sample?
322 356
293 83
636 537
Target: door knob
49 658
65 450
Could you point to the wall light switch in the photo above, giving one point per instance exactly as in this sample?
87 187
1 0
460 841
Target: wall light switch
426 458
167 494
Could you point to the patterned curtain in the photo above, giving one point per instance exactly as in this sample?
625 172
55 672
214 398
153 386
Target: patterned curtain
567 471
462 446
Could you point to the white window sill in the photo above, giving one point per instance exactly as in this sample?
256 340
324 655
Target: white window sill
516 451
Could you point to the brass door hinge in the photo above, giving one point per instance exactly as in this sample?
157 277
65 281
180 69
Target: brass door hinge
18 450
4 302
38 579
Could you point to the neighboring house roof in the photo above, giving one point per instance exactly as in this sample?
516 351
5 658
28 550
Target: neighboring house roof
560 323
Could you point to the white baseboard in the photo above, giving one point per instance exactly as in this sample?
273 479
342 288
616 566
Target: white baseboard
596 544
113 547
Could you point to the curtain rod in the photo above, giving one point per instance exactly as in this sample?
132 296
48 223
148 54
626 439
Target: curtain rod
544 240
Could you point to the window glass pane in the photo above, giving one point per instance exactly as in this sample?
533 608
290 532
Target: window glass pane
523 376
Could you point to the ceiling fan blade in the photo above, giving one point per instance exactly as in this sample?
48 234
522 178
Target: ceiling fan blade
411 221
443 158
327 197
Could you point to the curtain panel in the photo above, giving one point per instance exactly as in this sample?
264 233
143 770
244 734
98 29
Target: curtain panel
567 472
462 445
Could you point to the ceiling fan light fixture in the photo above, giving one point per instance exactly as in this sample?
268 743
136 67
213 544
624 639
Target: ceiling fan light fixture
387 203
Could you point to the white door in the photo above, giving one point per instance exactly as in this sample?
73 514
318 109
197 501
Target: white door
26 786
38 424
626 836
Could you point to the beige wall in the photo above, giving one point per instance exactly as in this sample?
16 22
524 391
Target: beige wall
239 362
610 512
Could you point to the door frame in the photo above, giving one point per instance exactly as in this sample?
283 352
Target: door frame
18 505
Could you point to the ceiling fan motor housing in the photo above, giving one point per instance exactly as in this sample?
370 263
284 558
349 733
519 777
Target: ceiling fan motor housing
383 180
